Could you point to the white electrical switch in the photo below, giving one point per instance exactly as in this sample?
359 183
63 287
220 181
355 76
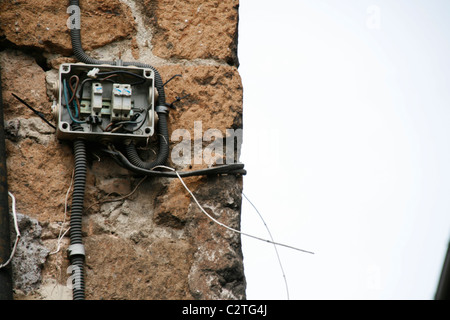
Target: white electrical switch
96 98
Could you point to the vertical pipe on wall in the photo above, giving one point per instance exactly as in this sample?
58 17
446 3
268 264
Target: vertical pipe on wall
443 290
5 241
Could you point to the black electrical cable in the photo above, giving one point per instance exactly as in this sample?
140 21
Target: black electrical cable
142 123
234 169
137 124
117 72
173 77
39 114
81 87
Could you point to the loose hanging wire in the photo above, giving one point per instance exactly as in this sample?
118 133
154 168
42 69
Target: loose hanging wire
16 227
62 234
275 247
224 225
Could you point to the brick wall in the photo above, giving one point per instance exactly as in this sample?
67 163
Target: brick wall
154 243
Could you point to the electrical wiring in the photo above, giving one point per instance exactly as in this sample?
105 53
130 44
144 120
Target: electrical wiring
171 78
39 114
112 127
117 72
83 83
236 168
275 247
16 227
62 234
68 105
77 252
224 225
73 92
118 119
145 111
227 169
79 89
120 198
108 76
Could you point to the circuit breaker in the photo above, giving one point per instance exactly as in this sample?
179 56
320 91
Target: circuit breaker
105 102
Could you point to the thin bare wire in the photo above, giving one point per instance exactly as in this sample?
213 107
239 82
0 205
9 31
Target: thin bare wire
105 200
16 227
275 247
62 234
224 225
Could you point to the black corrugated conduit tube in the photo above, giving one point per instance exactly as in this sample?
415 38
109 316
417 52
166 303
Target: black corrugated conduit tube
228 169
6 287
163 153
161 108
76 249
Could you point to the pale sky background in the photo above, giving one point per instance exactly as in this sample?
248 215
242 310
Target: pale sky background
347 146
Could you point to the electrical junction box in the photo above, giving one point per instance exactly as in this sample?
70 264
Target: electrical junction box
105 102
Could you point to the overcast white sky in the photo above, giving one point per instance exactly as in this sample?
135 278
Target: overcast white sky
347 146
